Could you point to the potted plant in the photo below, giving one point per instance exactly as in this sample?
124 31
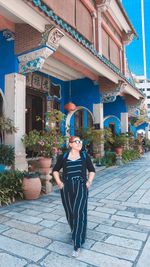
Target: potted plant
31 185
7 157
45 144
6 127
119 142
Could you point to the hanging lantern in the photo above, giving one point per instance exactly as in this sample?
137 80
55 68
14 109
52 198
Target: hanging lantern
70 106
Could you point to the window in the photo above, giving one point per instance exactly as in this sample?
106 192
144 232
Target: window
110 50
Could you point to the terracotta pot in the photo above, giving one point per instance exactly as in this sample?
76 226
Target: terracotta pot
44 165
118 150
31 187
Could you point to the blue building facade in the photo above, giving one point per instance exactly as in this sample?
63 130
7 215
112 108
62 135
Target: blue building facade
46 66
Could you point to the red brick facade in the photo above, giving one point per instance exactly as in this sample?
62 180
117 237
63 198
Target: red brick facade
27 38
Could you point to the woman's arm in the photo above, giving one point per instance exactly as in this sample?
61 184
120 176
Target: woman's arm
90 179
57 179
56 170
91 170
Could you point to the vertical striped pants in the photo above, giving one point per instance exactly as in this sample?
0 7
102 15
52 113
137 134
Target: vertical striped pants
74 198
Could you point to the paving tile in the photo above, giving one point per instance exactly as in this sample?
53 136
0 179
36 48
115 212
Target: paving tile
124 242
57 260
22 217
27 227
101 260
116 251
3 228
18 248
11 261
29 238
124 219
122 232
144 260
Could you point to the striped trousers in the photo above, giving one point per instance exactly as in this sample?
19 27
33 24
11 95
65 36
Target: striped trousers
74 198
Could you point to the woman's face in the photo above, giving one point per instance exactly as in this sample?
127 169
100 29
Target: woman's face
76 144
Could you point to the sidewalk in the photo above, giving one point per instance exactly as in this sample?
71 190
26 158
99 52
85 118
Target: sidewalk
35 233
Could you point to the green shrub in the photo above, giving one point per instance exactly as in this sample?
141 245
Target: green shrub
147 144
7 155
130 154
109 159
10 186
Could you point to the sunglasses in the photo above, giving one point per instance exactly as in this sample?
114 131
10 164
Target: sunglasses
77 142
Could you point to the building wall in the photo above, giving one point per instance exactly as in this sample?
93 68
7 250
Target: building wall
75 13
27 38
8 60
112 44
115 108
85 93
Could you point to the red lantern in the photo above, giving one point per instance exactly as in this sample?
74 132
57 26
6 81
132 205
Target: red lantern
70 106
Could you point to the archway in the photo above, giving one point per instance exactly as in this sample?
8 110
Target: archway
113 123
79 119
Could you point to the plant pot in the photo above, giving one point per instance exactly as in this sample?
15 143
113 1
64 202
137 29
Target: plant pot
118 150
31 187
44 165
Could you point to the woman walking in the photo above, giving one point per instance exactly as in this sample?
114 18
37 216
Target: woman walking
74 187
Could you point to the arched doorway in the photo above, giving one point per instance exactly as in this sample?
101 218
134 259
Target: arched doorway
78 120
113 123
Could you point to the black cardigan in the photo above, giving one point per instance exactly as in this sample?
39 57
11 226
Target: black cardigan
86 165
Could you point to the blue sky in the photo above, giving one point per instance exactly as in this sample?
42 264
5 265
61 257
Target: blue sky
134 50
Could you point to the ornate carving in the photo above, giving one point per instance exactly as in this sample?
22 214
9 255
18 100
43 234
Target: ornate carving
34 60
103 5
111 96
32 65
133 107
51 37
9 36
128 37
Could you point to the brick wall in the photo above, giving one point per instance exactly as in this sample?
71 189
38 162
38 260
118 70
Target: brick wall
27 38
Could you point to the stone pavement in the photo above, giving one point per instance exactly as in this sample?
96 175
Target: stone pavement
35 233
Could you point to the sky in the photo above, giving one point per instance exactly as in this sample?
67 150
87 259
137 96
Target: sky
134 50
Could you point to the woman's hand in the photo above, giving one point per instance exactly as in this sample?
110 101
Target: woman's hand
88 184
60 185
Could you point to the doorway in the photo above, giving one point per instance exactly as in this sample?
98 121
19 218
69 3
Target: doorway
112 128
35 110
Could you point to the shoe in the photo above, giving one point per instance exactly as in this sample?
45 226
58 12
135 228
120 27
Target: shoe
75 253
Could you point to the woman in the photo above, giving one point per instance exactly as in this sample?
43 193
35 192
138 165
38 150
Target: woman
74 188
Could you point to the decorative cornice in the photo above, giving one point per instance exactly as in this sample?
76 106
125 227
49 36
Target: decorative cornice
103 5
112 95
128 37
51 36
78 37
132 107
34 60
9 36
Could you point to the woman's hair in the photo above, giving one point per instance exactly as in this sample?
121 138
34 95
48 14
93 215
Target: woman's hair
71 139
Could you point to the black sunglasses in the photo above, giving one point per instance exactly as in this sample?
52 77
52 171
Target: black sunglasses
77 141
